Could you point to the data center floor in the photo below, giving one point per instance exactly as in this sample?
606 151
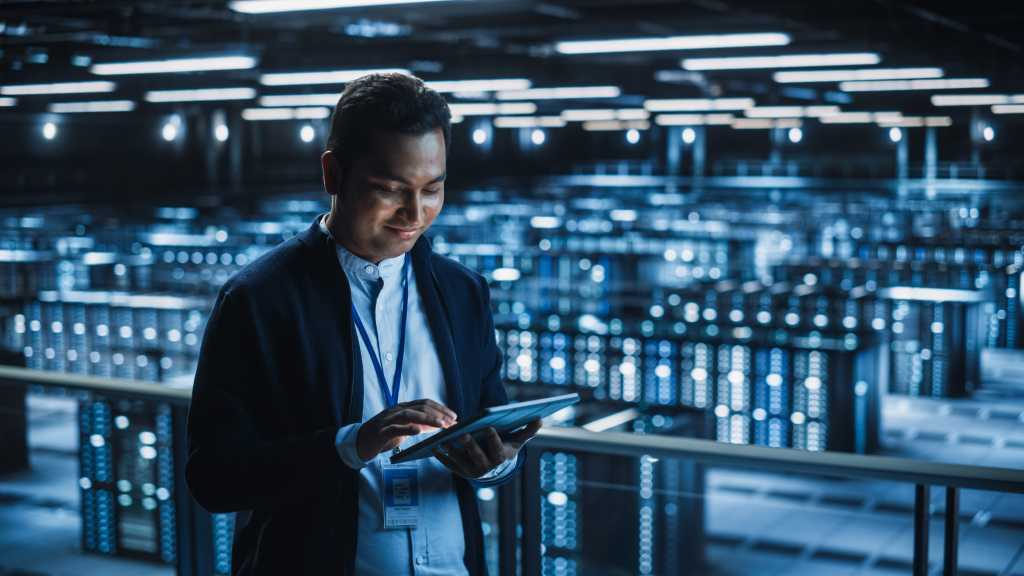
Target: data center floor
756 523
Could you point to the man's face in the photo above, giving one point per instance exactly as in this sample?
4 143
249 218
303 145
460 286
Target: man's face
392 194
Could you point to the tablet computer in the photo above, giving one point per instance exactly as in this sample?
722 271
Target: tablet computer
505 418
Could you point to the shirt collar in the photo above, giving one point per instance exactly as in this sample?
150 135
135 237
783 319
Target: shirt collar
357 267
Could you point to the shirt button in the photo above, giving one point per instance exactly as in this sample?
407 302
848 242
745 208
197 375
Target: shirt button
388 356
368 269
420 559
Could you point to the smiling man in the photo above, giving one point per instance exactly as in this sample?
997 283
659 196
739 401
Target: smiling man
342 344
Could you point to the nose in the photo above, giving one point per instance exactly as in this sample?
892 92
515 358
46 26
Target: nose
411 210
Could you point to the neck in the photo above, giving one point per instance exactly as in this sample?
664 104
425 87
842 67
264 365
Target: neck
341 237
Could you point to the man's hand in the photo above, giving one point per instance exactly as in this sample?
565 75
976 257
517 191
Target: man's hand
391 427
472 458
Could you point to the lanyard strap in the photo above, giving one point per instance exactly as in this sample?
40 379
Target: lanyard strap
390 396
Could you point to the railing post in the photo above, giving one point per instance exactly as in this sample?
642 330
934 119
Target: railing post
193 523
922 503
951 536
509 502
530 502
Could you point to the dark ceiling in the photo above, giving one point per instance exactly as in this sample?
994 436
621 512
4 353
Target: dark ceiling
49 41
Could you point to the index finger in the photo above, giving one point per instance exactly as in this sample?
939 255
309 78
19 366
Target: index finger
436 406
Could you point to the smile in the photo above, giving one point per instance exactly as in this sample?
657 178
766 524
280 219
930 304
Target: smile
404 232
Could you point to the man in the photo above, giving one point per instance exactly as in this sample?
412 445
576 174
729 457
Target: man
338 346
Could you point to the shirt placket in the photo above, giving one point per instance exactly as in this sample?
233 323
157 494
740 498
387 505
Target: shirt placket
385 332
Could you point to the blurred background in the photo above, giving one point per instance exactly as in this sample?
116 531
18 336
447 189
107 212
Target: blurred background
767 242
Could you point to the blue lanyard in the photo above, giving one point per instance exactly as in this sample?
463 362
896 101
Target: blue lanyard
390 396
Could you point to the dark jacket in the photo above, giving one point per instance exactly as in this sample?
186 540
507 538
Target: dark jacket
275 382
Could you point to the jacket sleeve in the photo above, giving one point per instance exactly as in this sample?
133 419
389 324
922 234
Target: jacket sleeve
234 461
492 391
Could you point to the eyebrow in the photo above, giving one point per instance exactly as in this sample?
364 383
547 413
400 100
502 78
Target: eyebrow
393 177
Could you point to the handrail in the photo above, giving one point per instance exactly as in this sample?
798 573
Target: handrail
706 451
786 459
117 386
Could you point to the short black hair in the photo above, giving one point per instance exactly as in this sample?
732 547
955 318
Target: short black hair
391 101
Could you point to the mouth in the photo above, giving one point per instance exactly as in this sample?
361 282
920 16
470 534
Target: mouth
404 233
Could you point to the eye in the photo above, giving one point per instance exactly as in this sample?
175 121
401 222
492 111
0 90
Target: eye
434 191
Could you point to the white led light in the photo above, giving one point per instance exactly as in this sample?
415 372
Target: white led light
632 136
309 113
698 104
272 6
598 114
505 274
895 134
57 88
561 93
545 222
916 121
234 62
49 130
221 132
689 135
672 43
795 135
764 123
300 100
169 131
693 119
98 106
492 109
537 136
784 61
615 125
626 215
1008 109
802 76
307 133
988 133
529 122
906 85
322 77
791 111
976 99
482 85
200 95
479 136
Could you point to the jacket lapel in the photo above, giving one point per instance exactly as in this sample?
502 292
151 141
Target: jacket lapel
431 297
347 393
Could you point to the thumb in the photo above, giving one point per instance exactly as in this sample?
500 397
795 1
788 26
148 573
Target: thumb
525 434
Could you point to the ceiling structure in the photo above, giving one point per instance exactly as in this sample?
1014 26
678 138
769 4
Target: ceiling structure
70 41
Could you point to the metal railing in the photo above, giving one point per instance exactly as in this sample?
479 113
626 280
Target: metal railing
923 475
194 530
193 525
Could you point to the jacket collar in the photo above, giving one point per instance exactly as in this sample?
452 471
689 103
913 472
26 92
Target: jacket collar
431 292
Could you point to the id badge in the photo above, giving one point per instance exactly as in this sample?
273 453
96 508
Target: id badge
401 483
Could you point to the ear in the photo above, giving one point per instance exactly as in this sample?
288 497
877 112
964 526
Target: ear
332 172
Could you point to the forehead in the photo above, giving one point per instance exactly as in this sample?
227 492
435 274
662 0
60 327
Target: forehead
406 157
